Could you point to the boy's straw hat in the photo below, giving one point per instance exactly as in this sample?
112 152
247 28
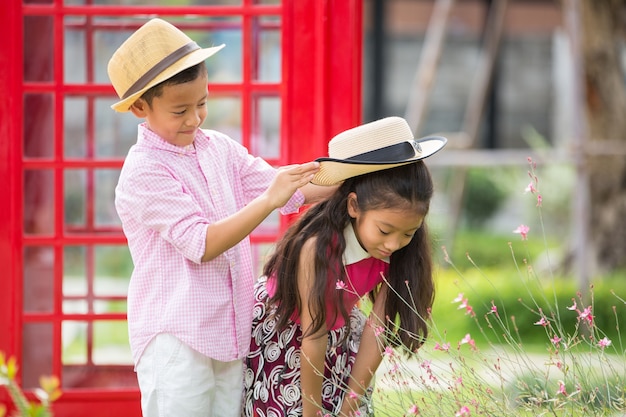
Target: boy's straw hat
155 52
382 144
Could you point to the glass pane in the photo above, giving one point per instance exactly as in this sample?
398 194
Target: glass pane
110 343
224 115
113 266
104 204
75 127
38 279
75 49
270 225
74 271
39 202
225 66
265 141
105 306
114 132
36 353
38 41
267 50
38 125
74 199
74 338
260 254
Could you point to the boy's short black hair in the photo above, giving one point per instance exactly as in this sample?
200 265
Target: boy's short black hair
185 76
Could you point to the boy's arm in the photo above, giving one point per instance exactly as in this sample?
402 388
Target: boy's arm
226 233
316 193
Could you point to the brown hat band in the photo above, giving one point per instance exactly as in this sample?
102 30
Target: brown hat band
159 67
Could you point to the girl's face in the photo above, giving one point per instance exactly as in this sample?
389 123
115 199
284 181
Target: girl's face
178 112
382 232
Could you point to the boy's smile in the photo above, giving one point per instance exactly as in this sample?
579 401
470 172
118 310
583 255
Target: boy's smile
178 112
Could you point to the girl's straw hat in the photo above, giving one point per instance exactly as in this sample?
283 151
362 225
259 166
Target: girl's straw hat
155 52
382 144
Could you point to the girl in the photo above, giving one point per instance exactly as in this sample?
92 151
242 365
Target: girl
312 350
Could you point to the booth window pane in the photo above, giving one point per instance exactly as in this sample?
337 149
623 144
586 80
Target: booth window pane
75 50
226 65
224 115
75 190
74 338
75 281
265 141
104 197
38 42
36 353
38 125
110 343
113 267
267 49
38 202
114 132
38 279
75 127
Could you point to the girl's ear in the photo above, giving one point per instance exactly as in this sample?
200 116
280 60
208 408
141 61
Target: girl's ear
353 205
139 108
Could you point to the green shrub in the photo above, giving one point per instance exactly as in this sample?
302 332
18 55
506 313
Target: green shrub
518 301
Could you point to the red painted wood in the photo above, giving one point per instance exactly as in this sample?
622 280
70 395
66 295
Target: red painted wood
320 96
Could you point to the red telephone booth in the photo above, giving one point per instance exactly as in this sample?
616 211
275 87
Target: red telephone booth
288 79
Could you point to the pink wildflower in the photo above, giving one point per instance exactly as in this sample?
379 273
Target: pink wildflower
586 315
468 308
562 388
530 188
445 347
463 411
341 285
573 306
523 230
555 340
493 309
542 322
468 339
378 330
604 342
458 298
352 395
413 410
389 351
539 200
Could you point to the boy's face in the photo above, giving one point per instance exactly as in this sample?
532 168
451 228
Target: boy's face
178 112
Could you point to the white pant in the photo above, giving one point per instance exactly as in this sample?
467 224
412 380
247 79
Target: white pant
177 381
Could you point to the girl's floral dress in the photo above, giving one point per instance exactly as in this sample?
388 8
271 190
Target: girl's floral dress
272 368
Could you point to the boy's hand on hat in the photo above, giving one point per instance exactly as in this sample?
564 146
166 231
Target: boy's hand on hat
288 179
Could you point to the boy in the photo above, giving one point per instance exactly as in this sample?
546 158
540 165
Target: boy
188 199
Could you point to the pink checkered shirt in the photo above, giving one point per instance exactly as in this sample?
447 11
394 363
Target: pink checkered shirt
166 197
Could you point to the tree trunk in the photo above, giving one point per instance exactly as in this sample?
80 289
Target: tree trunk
602 25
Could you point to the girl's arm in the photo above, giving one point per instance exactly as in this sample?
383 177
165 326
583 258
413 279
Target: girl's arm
313 348
368 357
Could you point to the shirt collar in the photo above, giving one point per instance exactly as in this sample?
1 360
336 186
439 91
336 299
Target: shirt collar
354 251
148 138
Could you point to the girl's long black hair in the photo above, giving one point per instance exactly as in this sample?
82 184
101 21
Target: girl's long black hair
411 295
